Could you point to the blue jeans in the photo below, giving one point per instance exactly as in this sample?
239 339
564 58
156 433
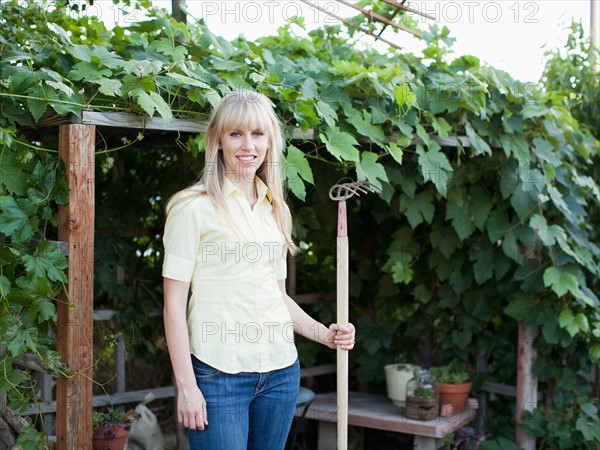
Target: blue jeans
246 410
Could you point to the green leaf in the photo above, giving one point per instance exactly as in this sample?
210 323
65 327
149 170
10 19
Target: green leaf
545 150
524 203
304 111
37 108
296 170
519 307
40 310
82 52
188 80
88 72
534 109
511 247
10 377
441 127
548 235
11 173
417 209
60 86
297 159
142 69
480 146
444 238
517 146
19 339
434 167
480 206
144 100
483 265
341 145
567 321
29 437
15 219
4 286
162 107
560 282
462 338
582 322
47 262
396 152
327 113
497 224
404 96
370 169
166 47
109 87
362 121
459 213
589 428
401 273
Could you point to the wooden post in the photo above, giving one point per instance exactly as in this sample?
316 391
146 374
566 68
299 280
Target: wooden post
481 369
178 10
527 383
75 309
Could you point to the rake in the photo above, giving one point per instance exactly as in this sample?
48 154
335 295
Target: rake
340 193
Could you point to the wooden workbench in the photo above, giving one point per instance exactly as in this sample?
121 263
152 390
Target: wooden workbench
378 412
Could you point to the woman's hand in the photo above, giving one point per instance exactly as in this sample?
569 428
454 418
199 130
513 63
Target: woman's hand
191 408
342 335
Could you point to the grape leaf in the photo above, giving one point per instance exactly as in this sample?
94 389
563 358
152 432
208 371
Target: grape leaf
47 262
341 144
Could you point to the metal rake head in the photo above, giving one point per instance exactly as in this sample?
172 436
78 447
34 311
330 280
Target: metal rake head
344 191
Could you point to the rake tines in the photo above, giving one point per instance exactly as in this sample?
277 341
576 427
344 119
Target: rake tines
344 191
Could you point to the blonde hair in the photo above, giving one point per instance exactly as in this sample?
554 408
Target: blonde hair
247 109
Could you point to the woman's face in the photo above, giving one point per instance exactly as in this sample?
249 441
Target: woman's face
244 150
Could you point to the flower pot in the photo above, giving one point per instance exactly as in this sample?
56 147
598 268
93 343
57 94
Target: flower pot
453 397
396 377
109 438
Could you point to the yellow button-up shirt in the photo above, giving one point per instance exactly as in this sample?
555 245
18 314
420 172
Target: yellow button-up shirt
237 319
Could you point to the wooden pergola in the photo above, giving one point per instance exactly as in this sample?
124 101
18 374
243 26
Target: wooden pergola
76 147
75 311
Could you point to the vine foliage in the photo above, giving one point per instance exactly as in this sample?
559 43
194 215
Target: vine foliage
488 213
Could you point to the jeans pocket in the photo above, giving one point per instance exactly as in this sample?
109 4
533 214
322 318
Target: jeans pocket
203 370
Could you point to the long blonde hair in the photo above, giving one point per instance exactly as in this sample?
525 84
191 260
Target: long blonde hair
247 109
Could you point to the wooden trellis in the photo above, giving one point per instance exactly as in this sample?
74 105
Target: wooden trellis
74 401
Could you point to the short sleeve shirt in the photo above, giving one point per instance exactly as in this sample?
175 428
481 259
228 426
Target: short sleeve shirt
237 319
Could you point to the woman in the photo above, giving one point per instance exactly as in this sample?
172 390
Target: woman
234 360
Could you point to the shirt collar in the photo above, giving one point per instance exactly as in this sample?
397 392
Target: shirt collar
261 189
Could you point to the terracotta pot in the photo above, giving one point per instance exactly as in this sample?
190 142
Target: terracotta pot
109 438
453 397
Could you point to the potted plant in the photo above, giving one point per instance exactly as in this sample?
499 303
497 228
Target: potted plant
396 377
110 429
453 384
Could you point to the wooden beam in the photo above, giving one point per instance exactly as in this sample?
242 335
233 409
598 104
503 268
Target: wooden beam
102 400
125 120
75 308
178 10
383 19
408 9
351 24
527 382
498 388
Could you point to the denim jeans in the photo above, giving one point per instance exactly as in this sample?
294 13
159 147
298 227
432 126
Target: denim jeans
246 410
